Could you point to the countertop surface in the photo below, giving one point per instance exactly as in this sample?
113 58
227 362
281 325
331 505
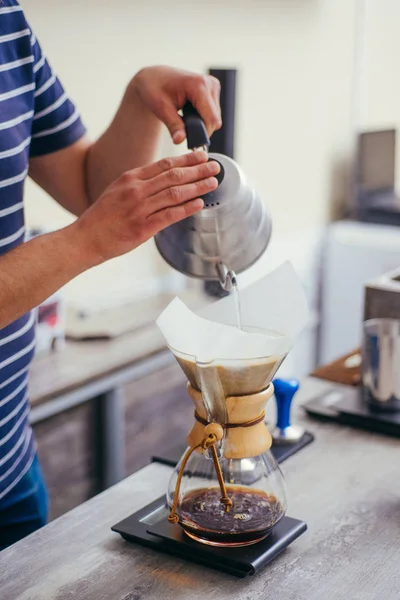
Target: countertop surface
79 363
345 485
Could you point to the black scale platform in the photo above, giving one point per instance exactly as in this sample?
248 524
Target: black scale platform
346 405
150 527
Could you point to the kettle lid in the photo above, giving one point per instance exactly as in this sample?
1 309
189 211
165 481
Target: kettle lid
230 178
231 182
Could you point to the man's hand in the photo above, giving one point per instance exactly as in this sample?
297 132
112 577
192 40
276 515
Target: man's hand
76 176
142 202
134 199
130 211
165 90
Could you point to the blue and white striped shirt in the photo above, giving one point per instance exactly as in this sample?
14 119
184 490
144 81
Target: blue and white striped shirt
36 118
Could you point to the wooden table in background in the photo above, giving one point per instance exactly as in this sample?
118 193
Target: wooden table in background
345 370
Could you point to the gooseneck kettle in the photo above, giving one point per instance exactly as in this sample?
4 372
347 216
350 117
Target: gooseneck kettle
231 231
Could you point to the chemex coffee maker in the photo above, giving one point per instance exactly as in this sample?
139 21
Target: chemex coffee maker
228 490
226 501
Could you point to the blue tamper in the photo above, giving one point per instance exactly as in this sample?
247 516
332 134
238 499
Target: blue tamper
285 432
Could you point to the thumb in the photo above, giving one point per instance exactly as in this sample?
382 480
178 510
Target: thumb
168 114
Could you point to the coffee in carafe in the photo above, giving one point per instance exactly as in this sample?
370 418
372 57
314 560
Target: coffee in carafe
251 518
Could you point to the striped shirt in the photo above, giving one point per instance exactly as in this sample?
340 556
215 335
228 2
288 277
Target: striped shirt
36 118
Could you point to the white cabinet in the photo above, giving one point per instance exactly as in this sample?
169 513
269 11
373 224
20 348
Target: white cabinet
354 254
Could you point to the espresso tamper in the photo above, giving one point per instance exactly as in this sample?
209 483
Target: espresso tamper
285 432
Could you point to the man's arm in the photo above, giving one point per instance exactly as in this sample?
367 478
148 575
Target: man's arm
130 211
76 176
35 270
62 175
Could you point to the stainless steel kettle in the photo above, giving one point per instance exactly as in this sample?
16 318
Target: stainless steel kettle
232 230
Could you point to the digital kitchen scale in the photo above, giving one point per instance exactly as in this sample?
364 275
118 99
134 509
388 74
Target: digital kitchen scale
346 405
150 527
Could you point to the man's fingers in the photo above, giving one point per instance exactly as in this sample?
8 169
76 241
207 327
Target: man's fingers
176 162
203 91
207 109
204 94
179 194
173 214
168 114
181 175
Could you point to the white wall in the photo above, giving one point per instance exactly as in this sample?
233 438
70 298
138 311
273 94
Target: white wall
294 107
380 78
357 253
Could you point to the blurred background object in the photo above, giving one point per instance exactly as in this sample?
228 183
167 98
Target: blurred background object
223 140
50 316
50 329
354 254
376 200
382 297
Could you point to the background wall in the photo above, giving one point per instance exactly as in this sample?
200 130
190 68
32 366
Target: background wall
379 75
295 121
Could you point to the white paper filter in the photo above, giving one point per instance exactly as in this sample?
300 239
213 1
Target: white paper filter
275 304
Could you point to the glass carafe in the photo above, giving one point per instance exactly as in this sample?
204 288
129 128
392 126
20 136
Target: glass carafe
227 489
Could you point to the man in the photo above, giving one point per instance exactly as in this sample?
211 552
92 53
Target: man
120 197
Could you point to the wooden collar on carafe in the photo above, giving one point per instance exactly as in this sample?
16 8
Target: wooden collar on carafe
232 425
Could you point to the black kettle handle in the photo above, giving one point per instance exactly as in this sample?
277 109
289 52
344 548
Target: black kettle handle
196 132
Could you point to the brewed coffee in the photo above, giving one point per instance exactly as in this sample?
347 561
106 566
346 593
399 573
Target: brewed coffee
250 519
235 378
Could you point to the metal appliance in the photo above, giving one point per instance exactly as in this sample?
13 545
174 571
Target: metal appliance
381 342
375 404
230 233
381 364
376 198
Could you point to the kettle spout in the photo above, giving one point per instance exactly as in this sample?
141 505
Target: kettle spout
227 277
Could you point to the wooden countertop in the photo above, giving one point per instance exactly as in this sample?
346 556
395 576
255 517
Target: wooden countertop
345 485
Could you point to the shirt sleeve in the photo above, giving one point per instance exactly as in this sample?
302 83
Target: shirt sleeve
56 121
